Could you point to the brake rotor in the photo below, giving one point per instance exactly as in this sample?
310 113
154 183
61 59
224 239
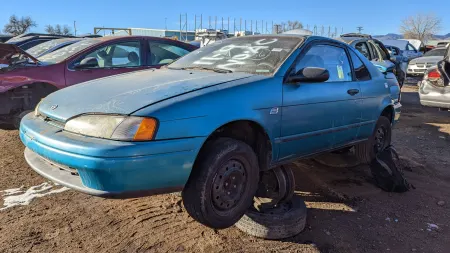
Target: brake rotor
276 186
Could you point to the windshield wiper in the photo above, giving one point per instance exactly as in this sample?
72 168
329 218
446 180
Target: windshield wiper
218 70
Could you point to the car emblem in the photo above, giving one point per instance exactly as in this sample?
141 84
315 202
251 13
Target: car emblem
53 107
274 110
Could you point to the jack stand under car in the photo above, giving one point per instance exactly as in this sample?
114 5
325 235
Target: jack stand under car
277 212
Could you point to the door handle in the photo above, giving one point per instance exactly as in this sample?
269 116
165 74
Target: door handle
353 92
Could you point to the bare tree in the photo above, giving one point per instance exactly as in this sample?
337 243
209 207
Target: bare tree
294 25
18 26
290 25
58 29
421 26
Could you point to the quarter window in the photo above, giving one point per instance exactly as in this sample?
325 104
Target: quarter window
363 49
411 48
380 46
161 53
361 71
376 55
332 58
123 54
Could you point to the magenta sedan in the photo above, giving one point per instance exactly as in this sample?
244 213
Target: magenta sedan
25 80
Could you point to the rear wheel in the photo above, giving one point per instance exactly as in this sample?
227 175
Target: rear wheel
380 139
222 184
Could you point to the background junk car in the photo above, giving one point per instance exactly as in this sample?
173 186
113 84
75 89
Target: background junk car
418 66
376 52
28 40
434 90
26 79
50 46
245 105
407 49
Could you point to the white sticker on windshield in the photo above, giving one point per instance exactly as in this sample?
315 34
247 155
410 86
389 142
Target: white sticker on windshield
277 49
262 70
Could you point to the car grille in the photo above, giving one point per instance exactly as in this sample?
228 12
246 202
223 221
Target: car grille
60 166
53 122
420 65
425 65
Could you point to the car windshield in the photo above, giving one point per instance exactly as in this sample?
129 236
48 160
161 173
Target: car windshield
436 52
43 47
249 54
63 53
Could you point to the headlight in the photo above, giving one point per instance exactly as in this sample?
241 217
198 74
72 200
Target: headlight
114 127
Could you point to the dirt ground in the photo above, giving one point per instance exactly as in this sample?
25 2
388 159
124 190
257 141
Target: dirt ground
346 212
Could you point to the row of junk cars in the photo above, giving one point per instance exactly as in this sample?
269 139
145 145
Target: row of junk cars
34 65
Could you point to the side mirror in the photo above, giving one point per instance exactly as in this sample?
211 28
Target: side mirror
86 63
393 59
385 69
310 75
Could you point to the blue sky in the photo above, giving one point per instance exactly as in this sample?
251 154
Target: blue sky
376 18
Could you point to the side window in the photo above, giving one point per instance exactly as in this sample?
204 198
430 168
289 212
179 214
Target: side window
361 71
123 54
363 49
332 58
162 53
410 48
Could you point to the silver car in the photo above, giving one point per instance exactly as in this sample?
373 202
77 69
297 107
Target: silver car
434 89
418 66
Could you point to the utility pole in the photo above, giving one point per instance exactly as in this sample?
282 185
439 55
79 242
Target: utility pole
359 28
75 28
165 23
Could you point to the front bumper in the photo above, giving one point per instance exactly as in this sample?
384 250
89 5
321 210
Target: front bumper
413 70
107 168
434 96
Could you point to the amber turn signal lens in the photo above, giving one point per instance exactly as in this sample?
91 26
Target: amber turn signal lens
146 130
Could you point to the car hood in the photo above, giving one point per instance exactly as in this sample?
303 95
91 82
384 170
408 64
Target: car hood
127 93
427 59
8 50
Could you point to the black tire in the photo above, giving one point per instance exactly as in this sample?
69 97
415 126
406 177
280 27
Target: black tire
18 118
367 151
206 196
279 224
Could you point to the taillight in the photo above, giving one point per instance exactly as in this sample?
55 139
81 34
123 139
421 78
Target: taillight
434 75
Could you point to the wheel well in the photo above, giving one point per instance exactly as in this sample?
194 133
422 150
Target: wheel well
29 95
249 132
388 112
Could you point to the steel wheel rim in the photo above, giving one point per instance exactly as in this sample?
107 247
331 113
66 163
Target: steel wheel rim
228 186
380 139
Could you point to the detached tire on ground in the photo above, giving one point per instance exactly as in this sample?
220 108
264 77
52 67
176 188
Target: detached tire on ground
222 184
380 139
287 220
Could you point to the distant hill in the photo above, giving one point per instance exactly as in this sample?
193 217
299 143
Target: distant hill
389 36
394 36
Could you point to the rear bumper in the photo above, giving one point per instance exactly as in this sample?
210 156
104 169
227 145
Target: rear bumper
107 168
434 96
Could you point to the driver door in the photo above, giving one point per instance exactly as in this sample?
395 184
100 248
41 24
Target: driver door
320 116
114 58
